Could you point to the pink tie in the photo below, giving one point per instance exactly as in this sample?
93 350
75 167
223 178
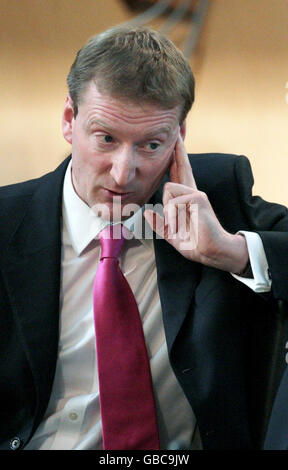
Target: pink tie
126 395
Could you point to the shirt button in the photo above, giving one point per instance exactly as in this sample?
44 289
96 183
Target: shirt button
15 443
73 416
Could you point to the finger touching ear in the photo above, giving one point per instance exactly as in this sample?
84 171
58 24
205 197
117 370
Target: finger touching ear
173 170
183 130
184 170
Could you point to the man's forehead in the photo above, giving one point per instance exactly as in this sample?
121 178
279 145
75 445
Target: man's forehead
148 132
110 106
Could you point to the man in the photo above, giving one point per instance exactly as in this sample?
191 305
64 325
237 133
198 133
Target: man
129 94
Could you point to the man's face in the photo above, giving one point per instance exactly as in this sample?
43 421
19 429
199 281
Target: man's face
118 148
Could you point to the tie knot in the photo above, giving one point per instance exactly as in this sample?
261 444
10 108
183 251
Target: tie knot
111 240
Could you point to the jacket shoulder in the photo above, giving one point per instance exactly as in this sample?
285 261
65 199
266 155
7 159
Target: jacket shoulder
16 190
15 198
219 169
27 188
217 160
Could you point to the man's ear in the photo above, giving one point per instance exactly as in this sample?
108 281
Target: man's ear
68 119
183 129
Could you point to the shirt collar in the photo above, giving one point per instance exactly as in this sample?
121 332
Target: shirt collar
83 225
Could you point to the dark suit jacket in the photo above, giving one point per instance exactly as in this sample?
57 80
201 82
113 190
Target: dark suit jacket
277 435
208 315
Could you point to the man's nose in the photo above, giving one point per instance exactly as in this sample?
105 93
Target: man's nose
123 166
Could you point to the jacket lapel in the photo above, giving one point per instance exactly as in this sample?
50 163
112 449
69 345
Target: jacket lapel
177 280
31 270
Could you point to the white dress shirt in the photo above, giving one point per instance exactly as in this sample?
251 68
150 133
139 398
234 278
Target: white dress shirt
72 419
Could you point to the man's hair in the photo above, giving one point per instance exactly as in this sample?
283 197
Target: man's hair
133 63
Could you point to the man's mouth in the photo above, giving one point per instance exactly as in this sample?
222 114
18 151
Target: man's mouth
121 194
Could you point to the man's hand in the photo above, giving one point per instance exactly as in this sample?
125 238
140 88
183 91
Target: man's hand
190 224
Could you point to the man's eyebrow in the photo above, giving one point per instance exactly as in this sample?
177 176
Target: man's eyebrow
160 130
147 135
99 123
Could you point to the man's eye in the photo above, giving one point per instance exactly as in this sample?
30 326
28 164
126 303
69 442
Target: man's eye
154 145
151 146
107 139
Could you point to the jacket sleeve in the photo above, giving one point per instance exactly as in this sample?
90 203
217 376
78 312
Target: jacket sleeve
270 221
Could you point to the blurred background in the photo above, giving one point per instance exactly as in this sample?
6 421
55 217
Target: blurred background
237 50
